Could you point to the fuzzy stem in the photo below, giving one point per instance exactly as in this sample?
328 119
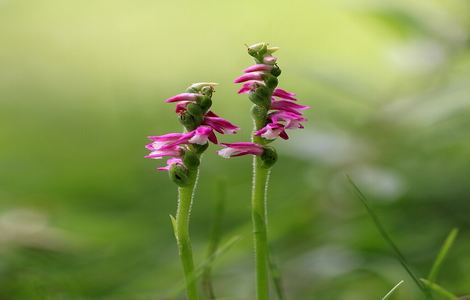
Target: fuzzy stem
185 199
259 218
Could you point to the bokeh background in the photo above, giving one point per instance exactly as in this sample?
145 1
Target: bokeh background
82 83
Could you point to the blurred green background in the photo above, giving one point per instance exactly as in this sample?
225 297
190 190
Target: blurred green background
82 83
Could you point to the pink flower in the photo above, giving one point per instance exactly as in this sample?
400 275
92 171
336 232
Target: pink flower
171 162
183 97
198 136
201 135
283 94
239 149
249 76
292 119
288 106
163 141
174 151
219 124
269 60
250 86
272 131
258 67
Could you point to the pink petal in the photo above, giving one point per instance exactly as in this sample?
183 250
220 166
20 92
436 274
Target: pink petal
182 97
269 60
258 67
284 94
249 76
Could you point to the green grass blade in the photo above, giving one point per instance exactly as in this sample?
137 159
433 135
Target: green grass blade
214 241
392 290
436 267
388 239
439 290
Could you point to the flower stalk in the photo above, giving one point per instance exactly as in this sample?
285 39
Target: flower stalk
185 150
273 112
181 229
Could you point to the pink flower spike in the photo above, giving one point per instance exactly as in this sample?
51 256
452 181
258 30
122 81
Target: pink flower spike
182 97
258 67
171 162
171 151
289 106
272 131
269 60
220 125
202 134
239 149
250 86
283 94
249 76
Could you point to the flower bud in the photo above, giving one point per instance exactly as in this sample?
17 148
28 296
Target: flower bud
259 99
194 109
189 121
191 160
179 174
271 81
255 49
268 157
205 103
207 91
276 71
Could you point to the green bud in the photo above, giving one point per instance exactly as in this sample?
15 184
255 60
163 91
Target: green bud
189 121
276 71
179 175
194 109
269 157
259 99
191 160
271 81
205 104
199 149
192 90
207 91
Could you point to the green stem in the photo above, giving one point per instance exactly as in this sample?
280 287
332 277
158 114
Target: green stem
185 199
259 218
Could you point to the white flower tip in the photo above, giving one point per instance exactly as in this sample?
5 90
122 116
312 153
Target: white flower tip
226 152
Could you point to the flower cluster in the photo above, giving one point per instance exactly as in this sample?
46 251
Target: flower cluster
184 149
274 110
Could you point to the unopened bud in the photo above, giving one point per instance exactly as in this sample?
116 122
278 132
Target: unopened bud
205 103
191 160
271 81
179 174
276 71
194 109
268 157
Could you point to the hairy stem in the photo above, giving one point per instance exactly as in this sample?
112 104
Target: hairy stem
259 218
185 198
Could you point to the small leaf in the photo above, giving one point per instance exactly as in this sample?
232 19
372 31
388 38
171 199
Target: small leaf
436 267
439 290
173 223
